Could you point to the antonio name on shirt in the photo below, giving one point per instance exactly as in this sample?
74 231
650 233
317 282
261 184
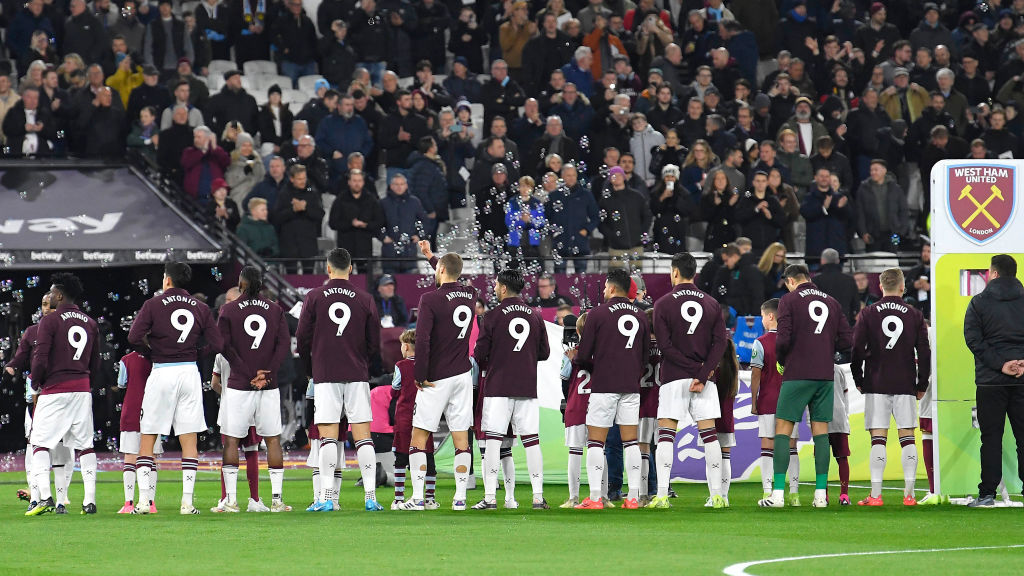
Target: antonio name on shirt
445 321
691 333
174 322
512 340
339 331
890 349
256 337
66 353
615 346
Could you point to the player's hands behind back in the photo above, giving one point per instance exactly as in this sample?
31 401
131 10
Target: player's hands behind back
261 380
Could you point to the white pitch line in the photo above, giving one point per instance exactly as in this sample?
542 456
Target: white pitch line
740 569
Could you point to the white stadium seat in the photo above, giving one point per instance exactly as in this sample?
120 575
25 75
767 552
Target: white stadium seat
259 67
219 67
298 97
306 83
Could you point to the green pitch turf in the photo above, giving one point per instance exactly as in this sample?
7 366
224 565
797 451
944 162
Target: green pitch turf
686 539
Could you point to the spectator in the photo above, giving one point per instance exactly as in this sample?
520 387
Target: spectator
271 185
463 84
698 163
529 129
213 21
633 180
251 30
401 25
800 172
390 306
29 129
738 283
435 95
101 124
173 142
931 32
999 141
760 215
298 218
881 211
491 200
790 205
500 97
578 71
904 100
203 163
369 39
838 284
627 222
427 182
771 265
865 121
573 213
294 36
672 209
499 128
144 136
513 35
400 131
41 50
272 121
718 207
664 114
575 111
827 212
337 58
671 152
644 139
956 103
919 289
83 34
604 46
828 157
807 128
129 26
357 217
232 103
731 165
720 140
341 134
223 209
432 22
525 221
314 111
878 37
246 169
547 293
553 141
455 147
198 93
162 33
492 154
150 93
544 52
864 294
694 125
403 225
466 42
316 168
23 26
257 233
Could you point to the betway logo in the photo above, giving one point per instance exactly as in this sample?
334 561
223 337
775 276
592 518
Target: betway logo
202 255
47 256
150 255
87 224
92 256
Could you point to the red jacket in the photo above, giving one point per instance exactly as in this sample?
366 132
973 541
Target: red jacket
192 160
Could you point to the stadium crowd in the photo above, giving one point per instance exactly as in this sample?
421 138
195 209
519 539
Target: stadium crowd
609 126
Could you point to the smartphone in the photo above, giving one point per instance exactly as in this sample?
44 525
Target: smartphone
457 127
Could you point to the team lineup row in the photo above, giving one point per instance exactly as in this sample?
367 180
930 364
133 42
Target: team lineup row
643 371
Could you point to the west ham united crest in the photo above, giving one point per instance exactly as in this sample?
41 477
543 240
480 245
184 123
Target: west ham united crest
981 199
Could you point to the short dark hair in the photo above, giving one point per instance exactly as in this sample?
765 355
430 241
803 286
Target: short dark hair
731 249
452 264
253 278
771 306
339 259
796 272
180 273
401 92
620 279
424 144
1004 265
332 93
67 284
685 264
512 279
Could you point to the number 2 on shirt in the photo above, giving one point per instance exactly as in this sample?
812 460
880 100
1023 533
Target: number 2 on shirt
584 382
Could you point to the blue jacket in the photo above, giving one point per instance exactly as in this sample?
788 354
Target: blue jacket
459 88
403 215
268 190
576 119
427 182
572 210
583 79
516 226
335 133
19 35
743 47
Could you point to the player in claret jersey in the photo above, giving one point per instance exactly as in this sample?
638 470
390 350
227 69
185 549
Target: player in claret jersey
444 376
691 334
812 326
168 329
615 349
575 418
648 429
133 371
256 343
403 399
338 334
65 358
511 343
891 365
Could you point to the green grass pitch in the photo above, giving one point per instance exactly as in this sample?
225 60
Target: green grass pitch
687 539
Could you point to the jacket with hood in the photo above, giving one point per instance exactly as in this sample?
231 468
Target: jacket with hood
521 232
993 331
640 144
346 135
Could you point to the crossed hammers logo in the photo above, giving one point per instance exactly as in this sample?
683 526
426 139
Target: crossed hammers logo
982 207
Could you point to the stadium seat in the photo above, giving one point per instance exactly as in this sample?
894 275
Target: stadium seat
219 67
297 97
306 83
876 262
406 82
260 68
440 78
214 82
249 84
265 81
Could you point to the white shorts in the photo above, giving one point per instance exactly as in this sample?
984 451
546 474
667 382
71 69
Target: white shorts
313 460
245 408
332 399
926 406
725 439
61 455
28 423
606 409
766 426
576 436
451 397
65 416
648 430
131 442
676 401
840 423
173 399
878 408
522 413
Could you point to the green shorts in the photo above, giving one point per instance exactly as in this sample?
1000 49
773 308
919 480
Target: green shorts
816 395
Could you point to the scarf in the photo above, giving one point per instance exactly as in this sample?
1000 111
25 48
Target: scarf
793 14
247 15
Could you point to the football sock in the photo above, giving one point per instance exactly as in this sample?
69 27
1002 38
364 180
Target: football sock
822 457
508 472
926 449
29 478
877 464
726 472
316 483
229 476
909 450
276 482
336 491
189 467
153 480
401 463
663 458
328 464
491 464
339 447
575 462
88 461
645 467
252 472
431 478
781 462
632 460
60 482
41 471
794 470
844 474
604 476
223 487
766 469
463 458
418 470
596 469
128 480
534 465
367 459
145 474
712 460
69 468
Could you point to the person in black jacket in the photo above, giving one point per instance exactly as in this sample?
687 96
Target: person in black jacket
737 282
626 222
150 93
295 38
370 38
213 21
838 284
330 11
298 217
274 120
232 103
337 58
357 217
390 307
995 336
672 210
173 141
432 20
29 128
154 44
251 22
400 132
102 127
760 215
83 34
501 98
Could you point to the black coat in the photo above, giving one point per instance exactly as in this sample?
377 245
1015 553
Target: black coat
841 286
158 97
295 38
993 331
337 61
545 145
85 36
633 219
14 129
265 125
173 141
501 100
762 231
226 106
397 151
298 231
366 208
741 287
102 128
671 218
